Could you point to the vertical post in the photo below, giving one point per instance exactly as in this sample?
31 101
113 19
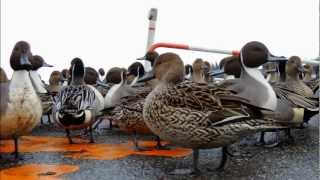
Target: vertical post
152 17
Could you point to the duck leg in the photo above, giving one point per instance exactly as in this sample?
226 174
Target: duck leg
16 148
195 170
69 137
224 158
159 146
289 135
136 145
49 120
91 135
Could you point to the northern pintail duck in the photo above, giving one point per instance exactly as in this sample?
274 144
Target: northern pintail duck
198 74
188 71
199 116
286 109
76 104
135 71
101 74
128 102
313 83
20 105
65 77
150 57
91 78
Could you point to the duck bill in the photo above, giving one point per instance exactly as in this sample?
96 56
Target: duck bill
102 84
272 58
142 58
147 77
46 65
24 60
212 73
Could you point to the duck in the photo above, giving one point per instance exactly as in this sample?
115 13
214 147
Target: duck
128 101
54 82
65 77
188 71
101 74
198 116
313 83
199 69
150 57
291 104
20 105
135 71
76 104
46 99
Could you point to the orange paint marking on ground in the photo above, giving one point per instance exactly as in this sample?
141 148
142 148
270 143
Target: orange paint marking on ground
37 171
83 150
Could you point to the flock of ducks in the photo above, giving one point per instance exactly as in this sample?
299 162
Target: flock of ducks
196 106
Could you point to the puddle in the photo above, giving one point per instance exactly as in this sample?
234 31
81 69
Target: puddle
83 150
37 171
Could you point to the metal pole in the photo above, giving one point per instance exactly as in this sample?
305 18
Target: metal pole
152 17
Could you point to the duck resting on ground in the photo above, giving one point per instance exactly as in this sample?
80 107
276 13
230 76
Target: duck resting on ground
199 116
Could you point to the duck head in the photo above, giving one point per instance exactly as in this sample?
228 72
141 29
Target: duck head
38 62
3 76
199 70
233 67
114 75
294 67
21 56
168 68
188 71
135 71
150 56
101 72
55 78
77 72
91 76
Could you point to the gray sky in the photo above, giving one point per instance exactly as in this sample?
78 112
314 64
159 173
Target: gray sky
114 33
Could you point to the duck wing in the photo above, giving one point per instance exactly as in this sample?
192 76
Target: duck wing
79 97
295 97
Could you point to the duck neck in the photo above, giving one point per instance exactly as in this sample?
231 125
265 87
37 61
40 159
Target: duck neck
307 77
292 77
264 95
198 77
272 77
37 83
21 79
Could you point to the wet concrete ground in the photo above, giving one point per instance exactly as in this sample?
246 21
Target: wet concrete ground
297 160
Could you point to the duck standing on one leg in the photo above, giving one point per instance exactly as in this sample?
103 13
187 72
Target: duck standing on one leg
76 104
20 105
199 116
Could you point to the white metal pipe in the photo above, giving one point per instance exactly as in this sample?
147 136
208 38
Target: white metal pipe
152 17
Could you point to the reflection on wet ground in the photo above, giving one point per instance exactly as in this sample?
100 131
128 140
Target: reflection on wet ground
47 154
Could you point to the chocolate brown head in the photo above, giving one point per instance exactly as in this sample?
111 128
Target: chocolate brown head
21 56
101 72
65 73
38 62
91 76
150 56
114 75
232 66
254 54
169 68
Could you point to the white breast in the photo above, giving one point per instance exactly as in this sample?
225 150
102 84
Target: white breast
100 100
24 110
